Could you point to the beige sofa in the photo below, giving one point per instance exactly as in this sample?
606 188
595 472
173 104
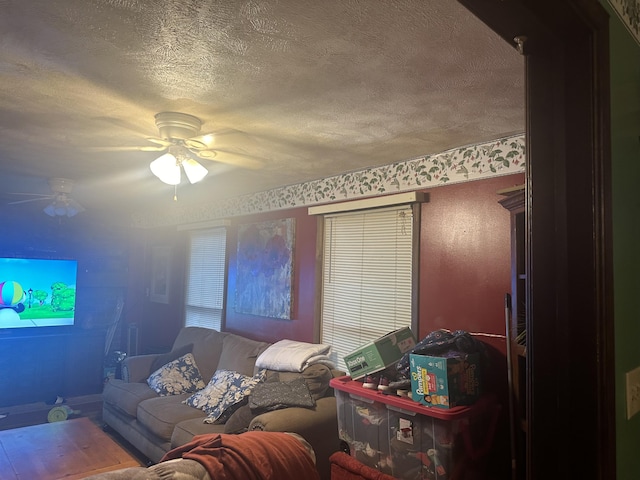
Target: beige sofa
156 424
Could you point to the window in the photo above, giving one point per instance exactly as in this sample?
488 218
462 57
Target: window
367 280
204 297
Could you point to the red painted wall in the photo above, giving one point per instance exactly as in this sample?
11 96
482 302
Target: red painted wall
464 271
158 324
465 257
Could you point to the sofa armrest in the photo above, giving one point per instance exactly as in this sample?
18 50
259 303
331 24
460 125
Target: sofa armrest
297 419
318 426
138 368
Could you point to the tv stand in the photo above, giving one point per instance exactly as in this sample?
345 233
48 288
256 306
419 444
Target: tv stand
40 366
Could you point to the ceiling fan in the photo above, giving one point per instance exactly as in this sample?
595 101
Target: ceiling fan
181 141
62 205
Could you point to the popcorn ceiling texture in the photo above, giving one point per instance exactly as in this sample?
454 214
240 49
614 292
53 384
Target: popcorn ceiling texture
310 88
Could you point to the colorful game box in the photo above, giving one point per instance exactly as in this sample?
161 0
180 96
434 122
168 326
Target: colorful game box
445 382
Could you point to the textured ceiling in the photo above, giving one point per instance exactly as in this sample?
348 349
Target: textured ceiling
308 88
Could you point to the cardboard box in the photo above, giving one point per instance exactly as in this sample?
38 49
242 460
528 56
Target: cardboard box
445 382
380 354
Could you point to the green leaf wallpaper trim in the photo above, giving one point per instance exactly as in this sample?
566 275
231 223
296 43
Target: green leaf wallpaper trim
629 13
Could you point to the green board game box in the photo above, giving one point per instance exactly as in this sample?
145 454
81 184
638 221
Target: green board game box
379 354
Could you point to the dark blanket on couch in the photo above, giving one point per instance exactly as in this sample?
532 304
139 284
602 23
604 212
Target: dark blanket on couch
250 456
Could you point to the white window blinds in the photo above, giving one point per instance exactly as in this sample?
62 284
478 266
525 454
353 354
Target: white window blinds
367 277
204 298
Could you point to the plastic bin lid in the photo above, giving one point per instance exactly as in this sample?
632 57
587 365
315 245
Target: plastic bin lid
346 384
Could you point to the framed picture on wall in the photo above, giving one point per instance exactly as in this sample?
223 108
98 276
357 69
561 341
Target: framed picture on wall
160 274
264 268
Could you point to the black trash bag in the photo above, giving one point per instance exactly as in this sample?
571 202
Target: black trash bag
442 343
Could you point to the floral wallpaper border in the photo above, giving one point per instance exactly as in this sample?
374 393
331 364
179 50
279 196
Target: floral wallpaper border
504 156
629 13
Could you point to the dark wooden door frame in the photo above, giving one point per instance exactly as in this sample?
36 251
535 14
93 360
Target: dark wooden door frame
570 374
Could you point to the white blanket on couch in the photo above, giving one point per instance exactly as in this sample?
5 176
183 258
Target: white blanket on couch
292 356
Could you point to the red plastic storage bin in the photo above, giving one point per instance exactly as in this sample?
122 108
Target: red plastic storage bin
408 440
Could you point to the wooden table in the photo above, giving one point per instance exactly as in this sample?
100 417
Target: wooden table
70 449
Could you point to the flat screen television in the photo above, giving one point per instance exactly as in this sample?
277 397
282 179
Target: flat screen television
37 293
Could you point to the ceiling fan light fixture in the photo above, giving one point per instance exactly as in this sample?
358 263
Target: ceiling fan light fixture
167 168
194 171
63 207
50 209
73 208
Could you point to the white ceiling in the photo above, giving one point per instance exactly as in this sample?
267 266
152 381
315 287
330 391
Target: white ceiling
309 88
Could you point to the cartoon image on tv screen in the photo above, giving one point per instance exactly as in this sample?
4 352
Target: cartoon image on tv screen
37 293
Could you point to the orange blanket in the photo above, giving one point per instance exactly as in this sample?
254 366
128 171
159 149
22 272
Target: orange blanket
249 456
345 467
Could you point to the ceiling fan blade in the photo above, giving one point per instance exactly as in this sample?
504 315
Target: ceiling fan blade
230 158
160 141
201 142
39 199
131 126
147 148
47 195
212 139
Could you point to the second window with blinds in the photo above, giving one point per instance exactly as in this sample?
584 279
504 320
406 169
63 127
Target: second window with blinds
367 276
206 278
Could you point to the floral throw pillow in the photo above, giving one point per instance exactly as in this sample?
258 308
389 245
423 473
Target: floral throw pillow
176 377
224 391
